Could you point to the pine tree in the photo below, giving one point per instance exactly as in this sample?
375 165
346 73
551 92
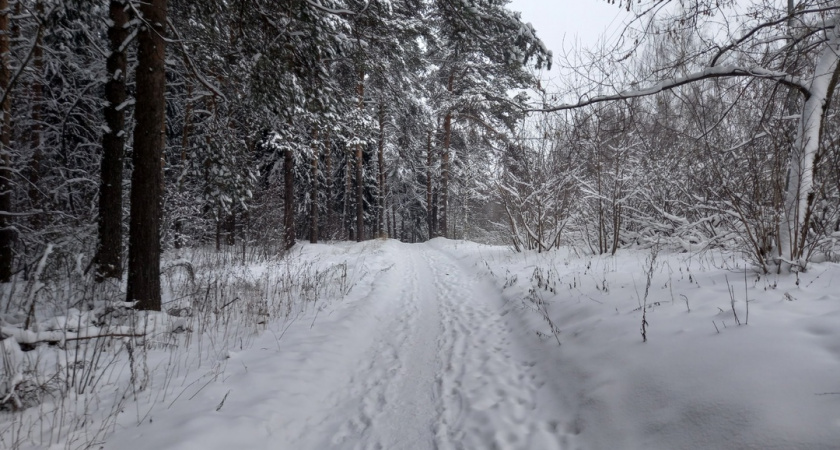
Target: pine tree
109 250
149 140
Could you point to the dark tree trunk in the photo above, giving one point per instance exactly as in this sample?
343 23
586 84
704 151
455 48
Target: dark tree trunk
219 230
360 195
179 233
435 204
313 193
360 182
444 163
392 224
149 140
37 91
7 235
330 227
348 188
444 173
185 136
380 230
429 208
109 251
288 200
230 229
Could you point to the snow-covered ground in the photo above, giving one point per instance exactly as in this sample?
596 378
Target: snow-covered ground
454 345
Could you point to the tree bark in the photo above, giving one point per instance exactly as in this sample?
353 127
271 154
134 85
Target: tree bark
109 251
380 230
7 235
313 193
429 216
360 182
230 228
149 140
289 234
444 162
330 226
37 90
348 188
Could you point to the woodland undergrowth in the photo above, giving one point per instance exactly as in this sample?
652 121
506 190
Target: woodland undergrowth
76 356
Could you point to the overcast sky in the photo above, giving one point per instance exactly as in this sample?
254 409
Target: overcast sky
571 21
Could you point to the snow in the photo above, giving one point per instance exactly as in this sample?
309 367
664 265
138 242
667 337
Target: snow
454 345
771 383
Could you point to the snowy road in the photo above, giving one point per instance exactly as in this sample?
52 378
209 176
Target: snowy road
419 349
418 357
442 373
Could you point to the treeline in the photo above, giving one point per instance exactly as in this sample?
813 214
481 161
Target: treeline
704 124
146 125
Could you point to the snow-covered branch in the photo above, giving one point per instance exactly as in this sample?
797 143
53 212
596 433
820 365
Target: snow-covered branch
707 73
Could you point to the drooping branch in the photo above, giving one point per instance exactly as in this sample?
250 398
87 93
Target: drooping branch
340 12
189 62
705 74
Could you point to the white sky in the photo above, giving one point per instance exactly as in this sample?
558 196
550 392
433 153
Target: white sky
571 23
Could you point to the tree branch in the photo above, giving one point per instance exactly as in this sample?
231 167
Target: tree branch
759 27
340 12
707 73
198 76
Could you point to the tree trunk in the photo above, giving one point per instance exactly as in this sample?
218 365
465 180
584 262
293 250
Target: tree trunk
444 163
330 226
149 140
348 188
800 187
185 136
37 90
288 200
109 251
380 230
393 225
429 215
230 229
360 182
313 193
7 235
444 172
218 234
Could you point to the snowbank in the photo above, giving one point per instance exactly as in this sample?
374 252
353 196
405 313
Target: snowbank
701 380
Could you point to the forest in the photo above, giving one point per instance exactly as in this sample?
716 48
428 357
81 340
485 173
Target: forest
185 174
350 120
253 122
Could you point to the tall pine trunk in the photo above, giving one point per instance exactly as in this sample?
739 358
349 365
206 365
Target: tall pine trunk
360 182
444 173
289 234
7 235
330 227
37 91
149 140
380 230
109 251
313 193
346 222
430 218
444 163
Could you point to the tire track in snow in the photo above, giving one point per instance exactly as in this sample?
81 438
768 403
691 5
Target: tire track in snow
441 371
488 398
394 382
